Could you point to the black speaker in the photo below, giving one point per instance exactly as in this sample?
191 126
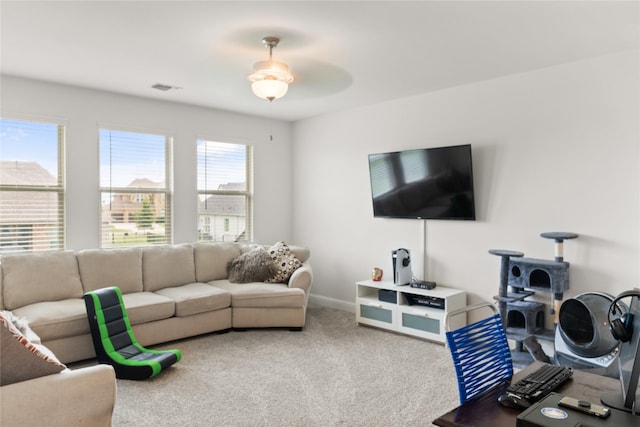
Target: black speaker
621 327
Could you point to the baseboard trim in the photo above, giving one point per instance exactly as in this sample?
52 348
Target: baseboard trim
332 303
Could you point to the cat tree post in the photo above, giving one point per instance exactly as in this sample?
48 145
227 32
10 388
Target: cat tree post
558 237
503 293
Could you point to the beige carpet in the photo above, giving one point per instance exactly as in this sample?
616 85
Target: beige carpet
332 373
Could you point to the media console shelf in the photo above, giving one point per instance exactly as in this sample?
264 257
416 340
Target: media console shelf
395 313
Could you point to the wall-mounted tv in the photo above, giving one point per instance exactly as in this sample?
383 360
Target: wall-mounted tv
429 183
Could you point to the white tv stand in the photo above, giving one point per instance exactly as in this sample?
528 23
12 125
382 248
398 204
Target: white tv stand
415 320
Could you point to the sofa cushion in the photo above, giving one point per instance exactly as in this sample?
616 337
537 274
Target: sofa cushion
100 268
212 258
166 266
21 359
35 277
285 261
145 307
263 295
56 319
196 298
253 266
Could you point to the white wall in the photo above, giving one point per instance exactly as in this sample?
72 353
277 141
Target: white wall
553 150
84 111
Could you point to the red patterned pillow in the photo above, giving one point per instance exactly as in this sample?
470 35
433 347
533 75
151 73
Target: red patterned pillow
21 359
285 261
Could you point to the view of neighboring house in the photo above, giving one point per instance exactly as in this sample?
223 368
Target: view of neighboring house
223 217
135 216
31 214
30 207
124 206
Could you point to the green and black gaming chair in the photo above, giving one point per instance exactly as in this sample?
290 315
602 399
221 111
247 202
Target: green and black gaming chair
114 342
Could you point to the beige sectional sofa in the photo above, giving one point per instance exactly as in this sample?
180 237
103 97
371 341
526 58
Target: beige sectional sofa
170 292
36 389
80 397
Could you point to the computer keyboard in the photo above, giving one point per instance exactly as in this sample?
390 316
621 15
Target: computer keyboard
535 386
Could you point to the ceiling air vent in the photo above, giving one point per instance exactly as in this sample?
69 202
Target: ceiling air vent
163 87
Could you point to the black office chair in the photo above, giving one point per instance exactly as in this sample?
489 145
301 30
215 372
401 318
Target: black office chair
480 352
114 342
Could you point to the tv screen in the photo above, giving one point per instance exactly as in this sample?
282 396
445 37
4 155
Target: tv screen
429 183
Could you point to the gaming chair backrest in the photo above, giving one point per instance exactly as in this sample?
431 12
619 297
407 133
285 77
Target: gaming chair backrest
110 328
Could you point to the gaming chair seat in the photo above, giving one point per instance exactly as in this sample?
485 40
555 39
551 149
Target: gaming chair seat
114 342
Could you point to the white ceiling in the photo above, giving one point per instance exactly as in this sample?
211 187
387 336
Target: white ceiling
344 54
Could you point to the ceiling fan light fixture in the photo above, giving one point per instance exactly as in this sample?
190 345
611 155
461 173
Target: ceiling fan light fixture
269 88
270 79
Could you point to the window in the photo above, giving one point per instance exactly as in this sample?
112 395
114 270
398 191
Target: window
31 186
135 188
224 191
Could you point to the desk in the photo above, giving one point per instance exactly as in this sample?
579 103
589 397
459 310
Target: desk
485 410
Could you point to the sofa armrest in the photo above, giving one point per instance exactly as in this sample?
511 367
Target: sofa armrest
80 397
302 278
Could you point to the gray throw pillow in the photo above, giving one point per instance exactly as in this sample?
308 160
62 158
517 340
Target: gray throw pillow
253 266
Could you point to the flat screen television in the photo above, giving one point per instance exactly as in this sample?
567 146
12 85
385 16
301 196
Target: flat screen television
428 183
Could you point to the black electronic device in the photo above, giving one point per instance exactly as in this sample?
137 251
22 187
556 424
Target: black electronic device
429 183
422 284
549 412
425 301
622 326
510 400
387 295
535 386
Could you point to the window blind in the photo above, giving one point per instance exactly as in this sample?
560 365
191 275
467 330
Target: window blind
135 188
31 186
224 191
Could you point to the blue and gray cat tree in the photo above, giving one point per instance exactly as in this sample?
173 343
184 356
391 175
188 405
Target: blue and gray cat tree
520 278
